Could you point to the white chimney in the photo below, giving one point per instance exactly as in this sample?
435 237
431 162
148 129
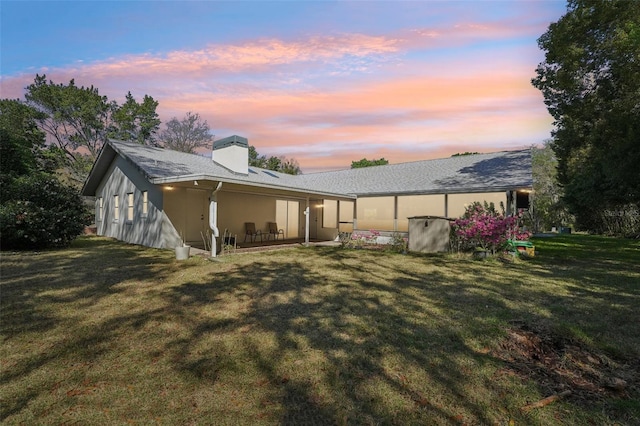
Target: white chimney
233 153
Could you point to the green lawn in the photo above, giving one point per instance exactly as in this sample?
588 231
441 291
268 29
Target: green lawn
109 333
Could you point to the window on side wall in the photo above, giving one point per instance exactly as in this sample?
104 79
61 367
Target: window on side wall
116 208
130 207
99 209
145 203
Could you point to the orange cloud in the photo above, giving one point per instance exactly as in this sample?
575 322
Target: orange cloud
329 100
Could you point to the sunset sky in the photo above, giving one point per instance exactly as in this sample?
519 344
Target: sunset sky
323 82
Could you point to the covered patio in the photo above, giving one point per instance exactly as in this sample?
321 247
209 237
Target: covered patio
243 215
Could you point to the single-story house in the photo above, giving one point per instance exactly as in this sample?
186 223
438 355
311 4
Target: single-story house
159 198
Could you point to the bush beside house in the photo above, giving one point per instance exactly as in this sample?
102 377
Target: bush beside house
37 210
483 228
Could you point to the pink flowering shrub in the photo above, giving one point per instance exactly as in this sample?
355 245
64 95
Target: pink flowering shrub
483 227
360 240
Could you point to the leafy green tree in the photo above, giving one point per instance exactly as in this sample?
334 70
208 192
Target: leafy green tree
76 117
255 159
37 210
22 142
368 163
548 208
462 154
278 164
590 80
133 121
79 120
20 138
289 166
187 134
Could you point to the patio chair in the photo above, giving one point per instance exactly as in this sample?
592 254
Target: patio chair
250 231
273 230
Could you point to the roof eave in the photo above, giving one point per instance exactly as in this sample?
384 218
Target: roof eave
437 191
186 178
98 169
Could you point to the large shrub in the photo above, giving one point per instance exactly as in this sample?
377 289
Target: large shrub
483 227
39 212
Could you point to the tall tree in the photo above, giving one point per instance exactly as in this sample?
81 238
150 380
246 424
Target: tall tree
133 121
37 210
279 164
590 80
79 120
20 138
255 159
368 163
462 154
75 117
289 166
187 134
548 207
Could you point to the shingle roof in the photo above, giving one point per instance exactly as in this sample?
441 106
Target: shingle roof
470 173
160 165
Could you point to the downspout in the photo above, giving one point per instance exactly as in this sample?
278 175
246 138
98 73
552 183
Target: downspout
306 224
213 218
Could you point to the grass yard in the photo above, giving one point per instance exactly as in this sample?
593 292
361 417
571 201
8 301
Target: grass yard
109 333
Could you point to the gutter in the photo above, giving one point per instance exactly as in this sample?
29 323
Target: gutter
186 178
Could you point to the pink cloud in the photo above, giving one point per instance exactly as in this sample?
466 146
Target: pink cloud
332 99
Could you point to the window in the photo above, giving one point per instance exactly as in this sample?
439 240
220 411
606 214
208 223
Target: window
116 208
346 216
145 203
130 207
329 214
99 209
418 205
376 213
288 216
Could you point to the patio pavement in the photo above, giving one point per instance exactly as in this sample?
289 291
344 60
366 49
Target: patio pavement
248 247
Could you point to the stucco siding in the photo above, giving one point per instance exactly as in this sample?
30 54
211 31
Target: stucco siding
234 209
457 203
418 205
187 210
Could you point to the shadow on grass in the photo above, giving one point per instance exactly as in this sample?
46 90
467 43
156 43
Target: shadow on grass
37 287
333 336
373 330
87 271
354 330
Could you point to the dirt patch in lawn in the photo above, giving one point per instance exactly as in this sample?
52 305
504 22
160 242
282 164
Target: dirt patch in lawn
566 367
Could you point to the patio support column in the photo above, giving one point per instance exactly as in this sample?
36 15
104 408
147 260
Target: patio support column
395 213
306 224
446 205
355 215
213 218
